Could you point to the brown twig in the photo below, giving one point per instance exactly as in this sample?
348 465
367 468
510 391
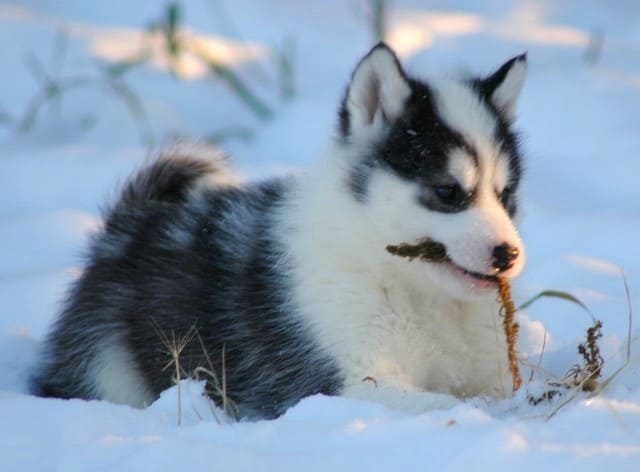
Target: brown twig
511 328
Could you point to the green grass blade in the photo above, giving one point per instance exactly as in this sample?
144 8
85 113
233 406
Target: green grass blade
241 90
120 68
556 294
172 29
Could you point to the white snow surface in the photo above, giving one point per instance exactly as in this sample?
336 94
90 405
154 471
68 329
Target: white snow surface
581 223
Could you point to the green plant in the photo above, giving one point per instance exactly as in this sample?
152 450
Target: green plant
177 44
53 84
285 59
378 15
584 377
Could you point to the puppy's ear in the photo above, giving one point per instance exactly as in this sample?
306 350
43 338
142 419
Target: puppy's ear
377 93
503 87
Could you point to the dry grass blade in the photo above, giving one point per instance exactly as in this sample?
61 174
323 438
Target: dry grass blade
539 365
209 372
629 314
605 383
224 381
175 347
574 393
219 389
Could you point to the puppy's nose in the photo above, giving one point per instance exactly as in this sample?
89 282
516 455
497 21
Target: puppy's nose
504 256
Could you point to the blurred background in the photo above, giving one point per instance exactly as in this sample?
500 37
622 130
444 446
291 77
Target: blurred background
91 89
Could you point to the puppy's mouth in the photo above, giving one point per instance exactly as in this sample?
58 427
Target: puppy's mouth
428 250
474 275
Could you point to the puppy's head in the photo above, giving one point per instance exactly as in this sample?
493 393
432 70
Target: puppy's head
438 159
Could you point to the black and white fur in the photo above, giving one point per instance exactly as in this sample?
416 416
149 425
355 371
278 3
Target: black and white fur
289 279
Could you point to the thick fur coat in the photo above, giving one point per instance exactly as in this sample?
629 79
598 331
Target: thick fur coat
286 286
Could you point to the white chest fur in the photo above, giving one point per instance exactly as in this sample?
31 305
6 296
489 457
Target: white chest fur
389 331
380 321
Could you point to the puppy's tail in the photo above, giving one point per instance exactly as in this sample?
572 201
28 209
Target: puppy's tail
173 175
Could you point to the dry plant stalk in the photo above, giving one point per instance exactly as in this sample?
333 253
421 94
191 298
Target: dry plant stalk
587 374
431 251
175 346
215 389
511 328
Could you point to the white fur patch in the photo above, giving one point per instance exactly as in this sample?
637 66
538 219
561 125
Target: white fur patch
416 331
462 110
500 174
462 167
378 315
116 378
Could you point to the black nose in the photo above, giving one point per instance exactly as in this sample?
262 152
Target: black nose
504 256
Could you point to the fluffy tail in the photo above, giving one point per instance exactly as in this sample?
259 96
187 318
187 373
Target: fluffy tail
170 178
166 180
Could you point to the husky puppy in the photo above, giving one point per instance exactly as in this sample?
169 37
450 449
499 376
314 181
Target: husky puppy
286 287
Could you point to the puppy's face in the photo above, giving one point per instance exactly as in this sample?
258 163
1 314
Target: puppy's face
438 160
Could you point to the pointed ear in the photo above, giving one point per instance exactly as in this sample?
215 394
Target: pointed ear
377 93
503 87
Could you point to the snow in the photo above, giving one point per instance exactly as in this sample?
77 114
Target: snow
580 224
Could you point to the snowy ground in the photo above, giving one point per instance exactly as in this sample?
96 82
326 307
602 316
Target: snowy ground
581 200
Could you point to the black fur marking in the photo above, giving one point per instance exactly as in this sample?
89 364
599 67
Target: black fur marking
167 180
228 281
344 119
489 84
417 148
509 142
418 144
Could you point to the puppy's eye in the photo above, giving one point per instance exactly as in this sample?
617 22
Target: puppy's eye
450 194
